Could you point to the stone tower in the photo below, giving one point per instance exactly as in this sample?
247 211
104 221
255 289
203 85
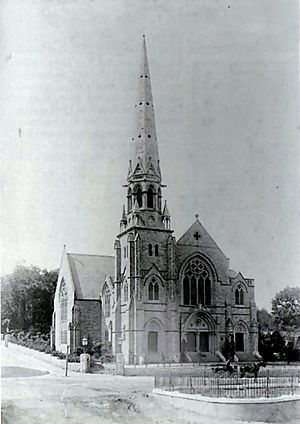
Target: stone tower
144 244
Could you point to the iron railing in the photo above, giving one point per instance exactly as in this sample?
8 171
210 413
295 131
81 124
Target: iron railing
232 387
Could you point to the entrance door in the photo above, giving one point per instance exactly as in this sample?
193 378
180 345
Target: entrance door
191 342
203 345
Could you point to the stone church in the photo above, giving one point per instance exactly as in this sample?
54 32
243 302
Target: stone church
158 299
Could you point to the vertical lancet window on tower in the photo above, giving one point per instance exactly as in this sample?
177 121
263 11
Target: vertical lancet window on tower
129 200
150 202
150 250
139 197
196 284
159 200
156 250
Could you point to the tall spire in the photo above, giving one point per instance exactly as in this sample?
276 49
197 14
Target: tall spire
144 155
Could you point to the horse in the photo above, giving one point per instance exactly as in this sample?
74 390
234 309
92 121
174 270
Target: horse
251 370
226 371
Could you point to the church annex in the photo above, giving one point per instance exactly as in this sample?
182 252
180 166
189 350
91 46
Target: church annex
158 299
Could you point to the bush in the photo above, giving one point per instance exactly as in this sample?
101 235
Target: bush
78 351
73 358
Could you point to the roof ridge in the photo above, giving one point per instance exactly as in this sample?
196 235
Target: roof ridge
90 254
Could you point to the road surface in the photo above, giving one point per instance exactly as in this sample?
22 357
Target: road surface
49 397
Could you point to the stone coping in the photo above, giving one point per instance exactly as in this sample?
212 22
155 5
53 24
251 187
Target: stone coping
223 400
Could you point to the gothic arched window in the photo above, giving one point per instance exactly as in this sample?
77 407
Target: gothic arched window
150 250
153 290
159 200
129 200
125 291
150 202
106 301
156 250
239 295
63 302
139 197
196 284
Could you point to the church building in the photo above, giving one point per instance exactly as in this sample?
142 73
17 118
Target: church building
158 299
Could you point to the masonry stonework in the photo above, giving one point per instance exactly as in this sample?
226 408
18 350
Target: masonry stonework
165 299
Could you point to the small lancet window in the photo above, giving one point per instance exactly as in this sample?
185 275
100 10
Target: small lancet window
150 198
129 200
139 197
150 250
156 250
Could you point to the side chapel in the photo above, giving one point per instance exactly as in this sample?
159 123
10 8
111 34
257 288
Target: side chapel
158 299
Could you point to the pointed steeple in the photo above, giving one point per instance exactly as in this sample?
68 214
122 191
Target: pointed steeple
144 155
124 217
166 210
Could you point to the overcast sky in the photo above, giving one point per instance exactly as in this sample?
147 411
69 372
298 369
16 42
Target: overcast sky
225 86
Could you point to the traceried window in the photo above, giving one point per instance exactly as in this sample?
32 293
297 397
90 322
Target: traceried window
107 301
153 290
125 291
239 295
63 299
196 284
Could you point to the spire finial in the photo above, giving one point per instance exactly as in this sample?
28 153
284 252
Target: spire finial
197 216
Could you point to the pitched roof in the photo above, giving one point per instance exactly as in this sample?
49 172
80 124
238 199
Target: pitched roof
89 272
197 236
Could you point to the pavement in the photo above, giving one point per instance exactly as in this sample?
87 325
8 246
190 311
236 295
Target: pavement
35 391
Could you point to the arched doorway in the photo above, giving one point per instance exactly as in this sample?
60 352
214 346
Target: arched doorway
198 336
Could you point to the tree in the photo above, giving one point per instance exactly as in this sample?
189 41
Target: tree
27 299
265 320
286 308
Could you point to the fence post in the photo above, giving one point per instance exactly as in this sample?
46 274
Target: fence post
268 376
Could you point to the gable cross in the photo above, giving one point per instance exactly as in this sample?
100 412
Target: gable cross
196 235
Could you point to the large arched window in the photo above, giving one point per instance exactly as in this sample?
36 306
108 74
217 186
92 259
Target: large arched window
106 301
129 200
63 302
150 203
139 197
153 290
196 283
239 295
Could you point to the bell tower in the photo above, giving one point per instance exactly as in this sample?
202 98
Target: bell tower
144 184
143 244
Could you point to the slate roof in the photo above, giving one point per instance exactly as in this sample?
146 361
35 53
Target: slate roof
89 272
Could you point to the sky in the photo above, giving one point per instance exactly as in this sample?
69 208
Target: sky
225 86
